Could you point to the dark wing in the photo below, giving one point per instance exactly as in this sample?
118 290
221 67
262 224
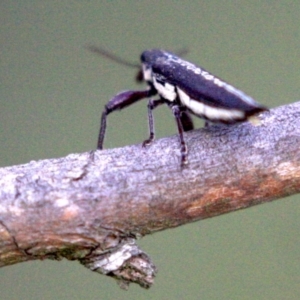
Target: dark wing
200 85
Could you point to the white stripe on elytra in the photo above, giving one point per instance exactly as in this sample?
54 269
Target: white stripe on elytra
147 73
166 90
211 113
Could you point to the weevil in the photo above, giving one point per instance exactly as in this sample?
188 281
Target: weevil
186 89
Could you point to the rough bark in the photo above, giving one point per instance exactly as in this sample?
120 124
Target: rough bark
93 206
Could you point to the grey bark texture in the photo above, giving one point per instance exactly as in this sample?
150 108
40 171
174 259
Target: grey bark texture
92 207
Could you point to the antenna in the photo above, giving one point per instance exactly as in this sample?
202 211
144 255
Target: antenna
109 55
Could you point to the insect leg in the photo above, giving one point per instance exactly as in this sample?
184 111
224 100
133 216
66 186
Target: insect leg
152 104
177 114
118 102
186 121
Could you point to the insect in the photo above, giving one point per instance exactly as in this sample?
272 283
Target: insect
186 88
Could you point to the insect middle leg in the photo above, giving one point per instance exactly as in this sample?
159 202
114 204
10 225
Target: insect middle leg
183 121
152 104
177 112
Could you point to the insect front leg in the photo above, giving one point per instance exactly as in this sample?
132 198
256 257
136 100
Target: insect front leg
119 102
152 104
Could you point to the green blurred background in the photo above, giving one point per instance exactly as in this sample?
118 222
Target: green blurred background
52 93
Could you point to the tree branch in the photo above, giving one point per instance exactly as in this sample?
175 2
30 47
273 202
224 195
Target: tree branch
91 207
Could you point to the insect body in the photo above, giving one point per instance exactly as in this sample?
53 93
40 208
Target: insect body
187 89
